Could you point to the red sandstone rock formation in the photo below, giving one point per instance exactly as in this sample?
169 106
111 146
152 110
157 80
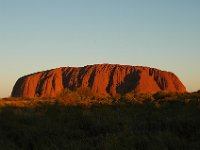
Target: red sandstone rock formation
103 79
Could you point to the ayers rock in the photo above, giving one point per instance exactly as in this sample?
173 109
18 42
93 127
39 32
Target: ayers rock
106 79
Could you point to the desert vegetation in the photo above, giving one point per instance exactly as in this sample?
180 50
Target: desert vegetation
82 120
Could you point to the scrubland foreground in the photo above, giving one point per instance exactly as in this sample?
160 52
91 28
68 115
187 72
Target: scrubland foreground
80 120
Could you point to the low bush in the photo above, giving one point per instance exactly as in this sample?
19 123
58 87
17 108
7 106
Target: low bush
164 95
132 97
69 97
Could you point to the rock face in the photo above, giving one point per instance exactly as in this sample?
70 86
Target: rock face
106 79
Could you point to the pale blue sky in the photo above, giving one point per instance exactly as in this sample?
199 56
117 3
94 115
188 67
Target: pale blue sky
38 35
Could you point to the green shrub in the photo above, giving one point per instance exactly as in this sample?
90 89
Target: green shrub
164 94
